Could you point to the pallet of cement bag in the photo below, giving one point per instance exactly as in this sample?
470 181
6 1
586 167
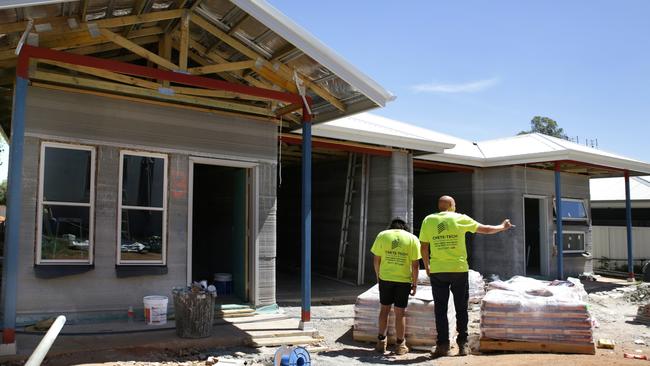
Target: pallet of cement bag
420 319
524 314
476 285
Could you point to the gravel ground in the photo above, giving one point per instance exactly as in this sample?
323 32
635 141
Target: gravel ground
613 310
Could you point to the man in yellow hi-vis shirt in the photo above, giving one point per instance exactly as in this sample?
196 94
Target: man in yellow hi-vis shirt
397 255
442 237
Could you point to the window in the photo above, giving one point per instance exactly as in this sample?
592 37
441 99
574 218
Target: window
573 210
66 194
142 208
572 241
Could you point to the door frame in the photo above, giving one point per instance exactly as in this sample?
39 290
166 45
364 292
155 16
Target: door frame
544 255
252 204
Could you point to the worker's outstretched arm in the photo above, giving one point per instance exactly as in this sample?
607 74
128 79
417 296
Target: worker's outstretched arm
493 229
424 251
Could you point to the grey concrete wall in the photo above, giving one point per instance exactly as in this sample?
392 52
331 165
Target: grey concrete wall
429 186
111 125
499 194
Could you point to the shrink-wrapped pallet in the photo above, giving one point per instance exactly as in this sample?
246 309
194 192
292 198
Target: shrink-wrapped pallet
420 319
476 285
540 315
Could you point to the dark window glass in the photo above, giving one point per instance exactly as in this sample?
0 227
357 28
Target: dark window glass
142 232
66 175
143 181
65 232
573 241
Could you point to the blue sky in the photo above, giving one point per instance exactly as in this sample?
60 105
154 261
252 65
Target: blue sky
483 69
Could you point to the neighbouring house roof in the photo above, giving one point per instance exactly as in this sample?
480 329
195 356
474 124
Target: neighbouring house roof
610 192
237 31
373 129
536 150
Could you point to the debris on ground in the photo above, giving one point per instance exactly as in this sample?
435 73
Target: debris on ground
638 294
606 343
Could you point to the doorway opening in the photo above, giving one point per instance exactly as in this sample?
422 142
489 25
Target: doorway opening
533 237
219 223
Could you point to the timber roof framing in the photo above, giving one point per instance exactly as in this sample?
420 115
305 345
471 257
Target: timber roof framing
245 42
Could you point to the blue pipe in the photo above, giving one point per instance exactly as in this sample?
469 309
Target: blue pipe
558 219
306 222
14 208
628 221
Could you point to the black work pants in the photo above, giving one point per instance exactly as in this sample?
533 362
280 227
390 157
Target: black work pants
458 283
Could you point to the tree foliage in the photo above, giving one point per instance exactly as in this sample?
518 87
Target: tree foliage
546 126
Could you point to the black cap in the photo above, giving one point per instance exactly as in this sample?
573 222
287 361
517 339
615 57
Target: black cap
399 218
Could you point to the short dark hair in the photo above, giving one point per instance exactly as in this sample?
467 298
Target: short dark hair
399 224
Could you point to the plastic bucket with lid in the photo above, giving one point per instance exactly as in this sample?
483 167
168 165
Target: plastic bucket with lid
155 310
223 283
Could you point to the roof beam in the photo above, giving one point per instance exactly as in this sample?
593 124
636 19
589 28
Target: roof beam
218 68
62 23
83 9
132 90
183 47
138 50
103 74
283 71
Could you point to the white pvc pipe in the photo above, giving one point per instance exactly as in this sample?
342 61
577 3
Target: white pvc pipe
46 343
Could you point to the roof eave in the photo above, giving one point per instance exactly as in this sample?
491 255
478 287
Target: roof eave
314 48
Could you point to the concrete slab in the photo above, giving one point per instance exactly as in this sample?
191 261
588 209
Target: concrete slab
325 290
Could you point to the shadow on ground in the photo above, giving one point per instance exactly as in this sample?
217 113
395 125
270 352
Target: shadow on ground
598 286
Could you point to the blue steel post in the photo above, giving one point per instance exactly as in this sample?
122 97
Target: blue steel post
14 208
305 317
628 221
558 214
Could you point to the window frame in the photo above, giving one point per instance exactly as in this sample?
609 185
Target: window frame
584 241
41 203
573 219
120 207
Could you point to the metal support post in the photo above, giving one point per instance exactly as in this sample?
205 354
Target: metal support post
14 208
305 318
559 239
628 221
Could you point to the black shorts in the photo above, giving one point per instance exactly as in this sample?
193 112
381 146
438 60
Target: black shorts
394 293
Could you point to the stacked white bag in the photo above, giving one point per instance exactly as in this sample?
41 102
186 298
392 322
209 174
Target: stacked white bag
420 319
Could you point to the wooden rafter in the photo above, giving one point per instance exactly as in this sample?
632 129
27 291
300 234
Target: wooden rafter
287 109
138 50
61 22
218 68
184 41
143 92
138 8
104 47
83 9
267 70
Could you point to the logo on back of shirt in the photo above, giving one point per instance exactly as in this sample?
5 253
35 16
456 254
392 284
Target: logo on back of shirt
395 243
442 227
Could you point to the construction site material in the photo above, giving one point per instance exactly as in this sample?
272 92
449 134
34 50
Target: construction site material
643 314
194 312
155 310
476 284
45 344
524 314
420 318
291 356
223 283
606 344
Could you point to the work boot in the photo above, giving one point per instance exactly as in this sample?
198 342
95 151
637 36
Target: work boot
463 349
381 345
401 348
442 350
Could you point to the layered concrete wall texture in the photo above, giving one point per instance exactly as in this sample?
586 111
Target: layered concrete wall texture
498 194
112 125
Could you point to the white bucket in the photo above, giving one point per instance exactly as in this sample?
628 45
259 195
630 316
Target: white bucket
155 310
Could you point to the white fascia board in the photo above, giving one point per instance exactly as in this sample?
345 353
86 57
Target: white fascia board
455 159
10 4
368 137
286 28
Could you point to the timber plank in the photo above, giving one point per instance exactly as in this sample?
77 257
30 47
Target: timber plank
490 345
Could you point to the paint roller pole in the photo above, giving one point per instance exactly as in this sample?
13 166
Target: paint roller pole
46 343
305 318
628 221
559 238
14 208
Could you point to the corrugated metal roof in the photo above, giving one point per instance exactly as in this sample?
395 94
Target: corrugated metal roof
255 23
613 189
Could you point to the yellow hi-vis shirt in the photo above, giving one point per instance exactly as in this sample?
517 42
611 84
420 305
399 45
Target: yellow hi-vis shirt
397 249
445 233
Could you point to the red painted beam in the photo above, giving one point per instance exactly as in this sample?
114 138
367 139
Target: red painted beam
441 166
338 146
28 52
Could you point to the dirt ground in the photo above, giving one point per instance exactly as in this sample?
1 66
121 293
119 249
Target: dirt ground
612 305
